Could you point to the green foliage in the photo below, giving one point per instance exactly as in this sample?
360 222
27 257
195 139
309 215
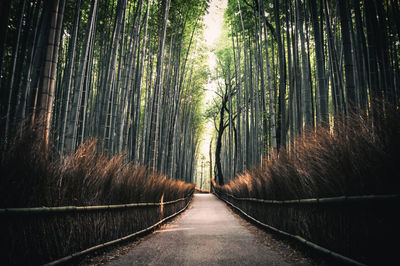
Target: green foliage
225 66
232 15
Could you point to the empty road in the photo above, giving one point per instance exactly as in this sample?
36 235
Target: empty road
208 233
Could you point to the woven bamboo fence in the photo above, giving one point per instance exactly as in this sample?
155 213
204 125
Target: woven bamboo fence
35 236
352 229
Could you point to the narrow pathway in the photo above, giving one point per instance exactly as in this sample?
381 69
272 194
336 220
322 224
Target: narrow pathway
206 234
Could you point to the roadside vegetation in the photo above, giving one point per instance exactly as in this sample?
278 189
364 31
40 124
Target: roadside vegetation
355 158
33 175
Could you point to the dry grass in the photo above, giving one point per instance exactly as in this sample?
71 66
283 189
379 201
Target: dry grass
33 176
356 158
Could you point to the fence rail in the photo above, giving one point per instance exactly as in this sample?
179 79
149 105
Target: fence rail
339 199
37 210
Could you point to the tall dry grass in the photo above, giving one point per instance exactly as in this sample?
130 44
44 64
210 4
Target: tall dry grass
357 157
32 175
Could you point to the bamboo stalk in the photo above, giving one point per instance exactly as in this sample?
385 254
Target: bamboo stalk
63 209
119 240
296 237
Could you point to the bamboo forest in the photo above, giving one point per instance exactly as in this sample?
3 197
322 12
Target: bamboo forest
118 115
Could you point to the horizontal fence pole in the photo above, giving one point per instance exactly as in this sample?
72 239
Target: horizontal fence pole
119 240
39 210
365 198
296 237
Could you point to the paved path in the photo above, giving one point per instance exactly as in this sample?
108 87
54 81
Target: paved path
206 234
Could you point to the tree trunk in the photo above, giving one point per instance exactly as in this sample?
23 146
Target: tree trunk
218 149
305 86
281 130
72 128
158 86
12 88
67 82
322 100
347 49
48 77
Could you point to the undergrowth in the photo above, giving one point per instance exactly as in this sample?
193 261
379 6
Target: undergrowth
357 156
33 175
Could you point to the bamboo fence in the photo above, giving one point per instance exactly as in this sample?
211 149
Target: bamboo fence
298 238
46 213
310 201
119 240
